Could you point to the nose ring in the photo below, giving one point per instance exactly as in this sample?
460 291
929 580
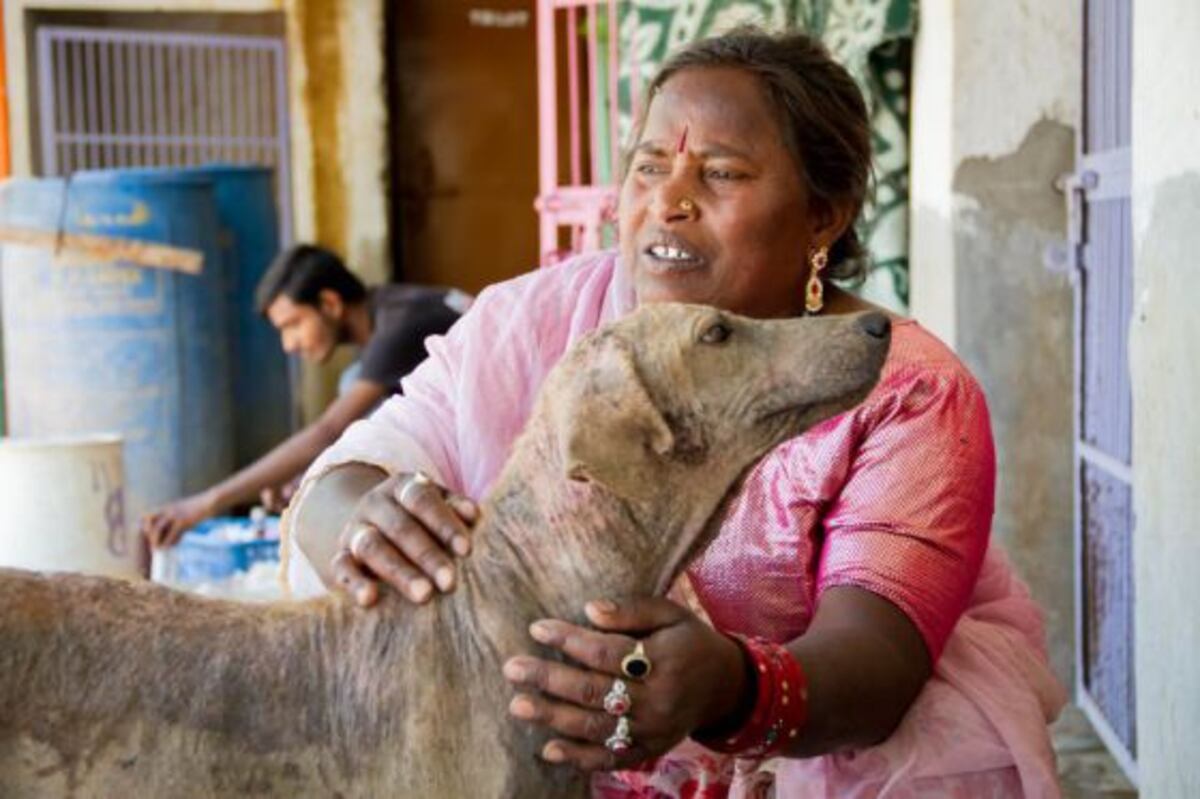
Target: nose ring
687 205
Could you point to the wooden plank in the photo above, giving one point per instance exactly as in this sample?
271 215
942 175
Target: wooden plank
85 248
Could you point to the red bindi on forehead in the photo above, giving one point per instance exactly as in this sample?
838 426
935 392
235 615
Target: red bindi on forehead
682 140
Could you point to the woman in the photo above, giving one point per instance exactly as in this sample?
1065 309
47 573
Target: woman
855 557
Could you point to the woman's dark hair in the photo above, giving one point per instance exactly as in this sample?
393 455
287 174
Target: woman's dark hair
821 112
302 272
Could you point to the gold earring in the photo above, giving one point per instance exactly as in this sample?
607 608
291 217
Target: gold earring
687 205
814 290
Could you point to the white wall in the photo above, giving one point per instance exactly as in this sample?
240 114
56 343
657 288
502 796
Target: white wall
931 239
997 89
984 72
1166 381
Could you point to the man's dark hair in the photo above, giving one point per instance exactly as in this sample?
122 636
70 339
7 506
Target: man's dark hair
302 273
821 112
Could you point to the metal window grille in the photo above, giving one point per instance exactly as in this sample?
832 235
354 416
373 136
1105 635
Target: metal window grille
120 98
1104 520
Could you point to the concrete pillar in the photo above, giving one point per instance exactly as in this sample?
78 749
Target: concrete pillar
1166 379
340 150
996 101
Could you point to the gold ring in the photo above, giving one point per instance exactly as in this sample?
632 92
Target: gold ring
635 665
687 205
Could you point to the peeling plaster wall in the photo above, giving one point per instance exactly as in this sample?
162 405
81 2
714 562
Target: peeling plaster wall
336 60
364 141
997 89
984 73
316 66
1166 380
336 65
1014 331
336 68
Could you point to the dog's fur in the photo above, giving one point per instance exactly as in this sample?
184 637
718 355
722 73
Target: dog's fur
110 689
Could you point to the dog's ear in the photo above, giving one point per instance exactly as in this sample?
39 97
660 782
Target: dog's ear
609 429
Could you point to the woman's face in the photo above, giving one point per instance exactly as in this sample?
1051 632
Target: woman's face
712 138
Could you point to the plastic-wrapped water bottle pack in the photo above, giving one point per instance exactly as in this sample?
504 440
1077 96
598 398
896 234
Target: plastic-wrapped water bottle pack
231 557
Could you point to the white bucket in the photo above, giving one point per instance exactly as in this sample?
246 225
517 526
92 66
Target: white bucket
62 506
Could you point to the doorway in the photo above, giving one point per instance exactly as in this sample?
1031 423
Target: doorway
462 94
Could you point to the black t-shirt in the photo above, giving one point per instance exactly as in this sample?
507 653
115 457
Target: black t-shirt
402 316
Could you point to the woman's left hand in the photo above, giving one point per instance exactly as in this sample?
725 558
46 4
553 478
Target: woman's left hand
696 679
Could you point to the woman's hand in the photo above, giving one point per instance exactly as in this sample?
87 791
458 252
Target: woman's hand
403 532
696 679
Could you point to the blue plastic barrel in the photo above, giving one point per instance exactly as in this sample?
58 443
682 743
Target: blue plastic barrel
114 347
262 396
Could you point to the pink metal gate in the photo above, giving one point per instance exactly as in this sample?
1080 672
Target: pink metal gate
575 207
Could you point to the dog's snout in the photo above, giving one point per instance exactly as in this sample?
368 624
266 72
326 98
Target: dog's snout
875 325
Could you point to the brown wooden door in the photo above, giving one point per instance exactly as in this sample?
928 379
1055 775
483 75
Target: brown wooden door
463 106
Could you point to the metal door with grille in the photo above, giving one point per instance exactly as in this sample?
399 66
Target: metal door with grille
124 98
1102 230
585 203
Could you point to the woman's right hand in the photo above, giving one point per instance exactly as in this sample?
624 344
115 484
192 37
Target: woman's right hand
405 532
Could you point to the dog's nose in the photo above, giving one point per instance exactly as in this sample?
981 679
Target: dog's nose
875 325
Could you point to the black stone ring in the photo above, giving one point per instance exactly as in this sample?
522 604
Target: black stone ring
635 665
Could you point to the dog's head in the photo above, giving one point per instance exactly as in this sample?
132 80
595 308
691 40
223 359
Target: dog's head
669 406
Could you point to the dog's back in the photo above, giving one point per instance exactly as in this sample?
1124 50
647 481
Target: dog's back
120 689
112 688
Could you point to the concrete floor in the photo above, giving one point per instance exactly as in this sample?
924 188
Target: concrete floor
1086 769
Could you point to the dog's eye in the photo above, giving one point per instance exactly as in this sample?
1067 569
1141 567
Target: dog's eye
716 333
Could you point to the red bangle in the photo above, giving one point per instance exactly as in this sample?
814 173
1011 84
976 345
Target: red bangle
780 703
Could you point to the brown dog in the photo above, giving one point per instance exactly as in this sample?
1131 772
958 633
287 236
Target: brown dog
109 689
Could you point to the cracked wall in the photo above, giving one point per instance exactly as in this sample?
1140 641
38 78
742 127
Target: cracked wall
988 141
1015 332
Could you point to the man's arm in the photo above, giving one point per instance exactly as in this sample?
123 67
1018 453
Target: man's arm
166 525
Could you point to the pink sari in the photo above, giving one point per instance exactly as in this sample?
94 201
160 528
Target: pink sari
894 496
